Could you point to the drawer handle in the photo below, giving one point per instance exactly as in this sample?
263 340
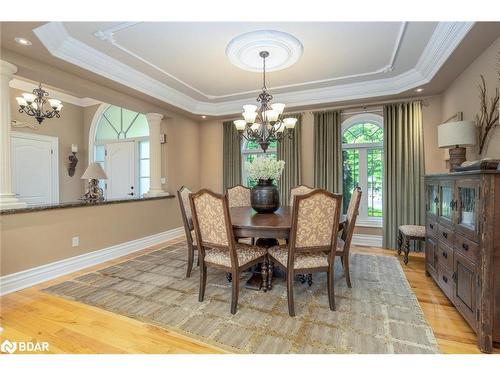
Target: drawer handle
445 235
445 279
465 247
431 226
445 254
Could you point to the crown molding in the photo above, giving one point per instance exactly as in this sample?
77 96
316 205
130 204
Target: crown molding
446 37
20 84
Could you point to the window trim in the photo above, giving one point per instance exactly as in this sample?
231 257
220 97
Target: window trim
363 219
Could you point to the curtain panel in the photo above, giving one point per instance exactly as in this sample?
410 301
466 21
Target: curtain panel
231 156
403 169
328 151
290 151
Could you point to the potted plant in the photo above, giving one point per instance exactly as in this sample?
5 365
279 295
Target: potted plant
265 196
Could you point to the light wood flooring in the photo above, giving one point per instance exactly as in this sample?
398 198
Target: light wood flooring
73 327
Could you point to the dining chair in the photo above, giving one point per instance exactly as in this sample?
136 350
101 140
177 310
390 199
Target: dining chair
187 221
313 240
344 242
217 245
299 190
239 196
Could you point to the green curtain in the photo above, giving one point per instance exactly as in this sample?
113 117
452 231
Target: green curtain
328 151
403 168
231 159
290 151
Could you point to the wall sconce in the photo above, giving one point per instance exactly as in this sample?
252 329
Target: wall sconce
73 161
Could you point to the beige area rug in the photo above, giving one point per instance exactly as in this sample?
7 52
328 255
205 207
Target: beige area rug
380 314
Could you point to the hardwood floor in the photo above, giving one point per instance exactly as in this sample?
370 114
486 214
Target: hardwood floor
73 327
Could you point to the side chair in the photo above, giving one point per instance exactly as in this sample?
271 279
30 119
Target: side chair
187 221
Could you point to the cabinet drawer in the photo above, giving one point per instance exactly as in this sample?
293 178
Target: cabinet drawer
431 227
445 281
445 256
445 235
467 247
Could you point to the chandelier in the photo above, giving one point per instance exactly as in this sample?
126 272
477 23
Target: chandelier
265 124
39 105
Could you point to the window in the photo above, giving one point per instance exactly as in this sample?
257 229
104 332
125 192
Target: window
249 151
362 152
116 125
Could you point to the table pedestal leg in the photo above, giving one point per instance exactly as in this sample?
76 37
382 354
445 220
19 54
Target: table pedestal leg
255 282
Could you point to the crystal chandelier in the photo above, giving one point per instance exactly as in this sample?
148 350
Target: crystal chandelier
265 124
39 105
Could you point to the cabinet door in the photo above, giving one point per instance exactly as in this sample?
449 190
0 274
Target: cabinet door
465 276
446 202
430 255
467 217
431 198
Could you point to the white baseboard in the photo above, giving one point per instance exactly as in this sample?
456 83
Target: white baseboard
367 240
20 280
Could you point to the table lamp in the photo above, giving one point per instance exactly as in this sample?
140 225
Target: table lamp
94 173
455 136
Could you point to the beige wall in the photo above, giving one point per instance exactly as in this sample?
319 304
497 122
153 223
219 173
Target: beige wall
211 155
69 130
462 95
32 239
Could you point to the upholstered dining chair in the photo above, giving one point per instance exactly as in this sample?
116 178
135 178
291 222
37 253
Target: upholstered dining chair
187 221
299 190
344 242
238 196
313 240
216 243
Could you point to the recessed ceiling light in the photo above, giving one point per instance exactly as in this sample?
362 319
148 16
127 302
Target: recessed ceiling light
203 116
23 41
419 89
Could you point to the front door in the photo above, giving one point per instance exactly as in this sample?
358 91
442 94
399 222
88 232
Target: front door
35 178
120 169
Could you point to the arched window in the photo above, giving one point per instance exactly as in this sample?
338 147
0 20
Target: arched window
249 151
120 139
362 151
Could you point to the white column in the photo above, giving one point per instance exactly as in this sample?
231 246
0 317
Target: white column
154 121
8 199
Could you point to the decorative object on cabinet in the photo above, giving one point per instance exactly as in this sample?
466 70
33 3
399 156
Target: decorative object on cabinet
94 173
462 247
73 160
479 165
487 118
455 136
407 233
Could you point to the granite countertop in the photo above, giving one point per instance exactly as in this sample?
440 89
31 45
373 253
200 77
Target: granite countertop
78 204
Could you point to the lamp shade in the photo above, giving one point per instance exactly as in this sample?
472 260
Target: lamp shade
460 133
94 171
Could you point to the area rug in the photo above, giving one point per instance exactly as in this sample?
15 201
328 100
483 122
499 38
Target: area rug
380 314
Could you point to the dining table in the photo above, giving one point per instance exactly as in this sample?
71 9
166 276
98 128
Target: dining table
266 228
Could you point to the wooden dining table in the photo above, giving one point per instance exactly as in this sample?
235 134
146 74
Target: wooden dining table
267 228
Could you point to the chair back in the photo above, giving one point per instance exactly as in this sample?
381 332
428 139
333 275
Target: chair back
238 196
299 190
315 222
183 196
352 214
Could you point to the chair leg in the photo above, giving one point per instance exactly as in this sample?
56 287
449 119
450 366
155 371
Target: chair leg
406 249
203 282
190 260
310 279
289 292
347 273
235 288
253 241
400 242
331 289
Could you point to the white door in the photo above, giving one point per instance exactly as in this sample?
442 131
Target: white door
120 169
35 177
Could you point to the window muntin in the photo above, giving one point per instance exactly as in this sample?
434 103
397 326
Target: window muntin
249 151
144 174
362 152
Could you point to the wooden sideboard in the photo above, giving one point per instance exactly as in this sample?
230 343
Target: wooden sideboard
462 248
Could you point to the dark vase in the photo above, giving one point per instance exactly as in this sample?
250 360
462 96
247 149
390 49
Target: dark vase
265 197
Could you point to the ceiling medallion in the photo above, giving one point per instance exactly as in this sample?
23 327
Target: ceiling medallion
284 50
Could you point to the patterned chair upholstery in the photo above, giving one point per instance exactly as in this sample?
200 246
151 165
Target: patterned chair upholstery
238 196
217 245
299 190
313 240
187 221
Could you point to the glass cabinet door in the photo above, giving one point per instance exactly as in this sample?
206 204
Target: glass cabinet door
446 202
431 199
467 210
